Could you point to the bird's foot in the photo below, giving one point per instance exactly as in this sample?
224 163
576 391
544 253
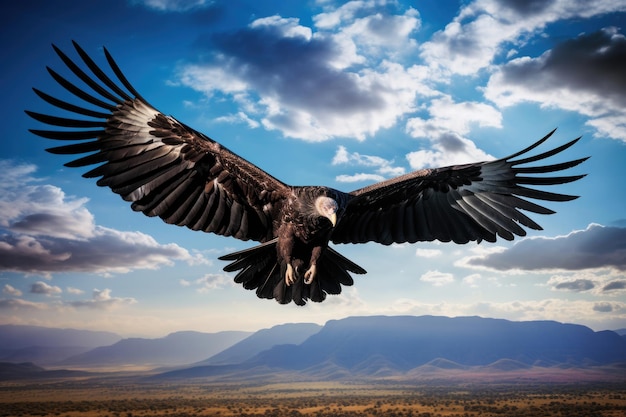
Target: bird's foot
309 275
289 275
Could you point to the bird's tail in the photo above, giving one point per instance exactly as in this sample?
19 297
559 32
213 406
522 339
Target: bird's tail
260 268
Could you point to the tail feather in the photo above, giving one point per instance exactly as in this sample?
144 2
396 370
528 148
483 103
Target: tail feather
259 268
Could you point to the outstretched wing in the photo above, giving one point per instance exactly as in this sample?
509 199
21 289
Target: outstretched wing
162 166
461 203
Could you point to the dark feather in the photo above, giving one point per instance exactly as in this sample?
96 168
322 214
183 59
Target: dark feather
462 203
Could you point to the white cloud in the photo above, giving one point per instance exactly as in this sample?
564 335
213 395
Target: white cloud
428 253
382 167
108 251
437 278
240 117
42 288
594 87
596 247
377 34
448 121
21 305
75 291
174 5
483 29
342 156
447 116
360 177
29 207
44 231
303 83
8 289
448 149
210 282
288 27
102 300
472 280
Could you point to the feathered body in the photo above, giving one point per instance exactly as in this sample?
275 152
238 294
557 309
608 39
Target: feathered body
167 169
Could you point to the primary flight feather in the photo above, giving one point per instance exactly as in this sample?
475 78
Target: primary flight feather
167 169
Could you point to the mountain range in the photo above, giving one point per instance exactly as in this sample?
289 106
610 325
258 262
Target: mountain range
397 345
372 346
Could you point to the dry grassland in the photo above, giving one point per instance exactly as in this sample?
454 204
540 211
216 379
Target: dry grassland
126 398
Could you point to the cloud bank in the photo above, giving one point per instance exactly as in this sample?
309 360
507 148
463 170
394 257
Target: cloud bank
43 231
593 248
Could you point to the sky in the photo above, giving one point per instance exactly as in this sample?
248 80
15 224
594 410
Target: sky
325 92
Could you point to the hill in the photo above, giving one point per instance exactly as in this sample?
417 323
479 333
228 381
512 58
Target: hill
44 345
28 370
17 337
174 349
262 340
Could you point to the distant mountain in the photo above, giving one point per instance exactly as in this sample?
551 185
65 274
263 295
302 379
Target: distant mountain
12 371
17 337
43 355
43 345
408 342
174 349
383 346
262 340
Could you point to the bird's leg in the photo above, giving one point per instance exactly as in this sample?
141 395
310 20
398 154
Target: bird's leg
309 275
289 275
284 248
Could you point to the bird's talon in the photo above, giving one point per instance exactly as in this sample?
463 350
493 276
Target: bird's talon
309 275
289 275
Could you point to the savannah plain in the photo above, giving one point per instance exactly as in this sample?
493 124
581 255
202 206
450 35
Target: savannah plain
127 397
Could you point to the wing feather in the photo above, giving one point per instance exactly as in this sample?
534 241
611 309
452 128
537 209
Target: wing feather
160 165
462 203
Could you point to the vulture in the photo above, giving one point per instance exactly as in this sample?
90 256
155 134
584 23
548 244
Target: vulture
167 169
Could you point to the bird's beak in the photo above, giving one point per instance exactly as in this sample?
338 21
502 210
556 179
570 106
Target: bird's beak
333 219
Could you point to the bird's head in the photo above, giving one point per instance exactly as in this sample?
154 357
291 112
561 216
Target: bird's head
327 207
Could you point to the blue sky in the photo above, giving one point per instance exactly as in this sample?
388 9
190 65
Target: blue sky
321 92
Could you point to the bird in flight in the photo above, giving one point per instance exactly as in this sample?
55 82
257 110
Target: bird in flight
169 170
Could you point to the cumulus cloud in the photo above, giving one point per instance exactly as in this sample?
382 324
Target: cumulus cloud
174 5
44 231
16 304
595 247
615 286
240 117
43 288
445 128
108 251
29 207
360 177
102 300
484 29
309 83
606 307
437 278
75 291
577 285
427 253
447 116
447 149
382 167
210 282
8 289
595 86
